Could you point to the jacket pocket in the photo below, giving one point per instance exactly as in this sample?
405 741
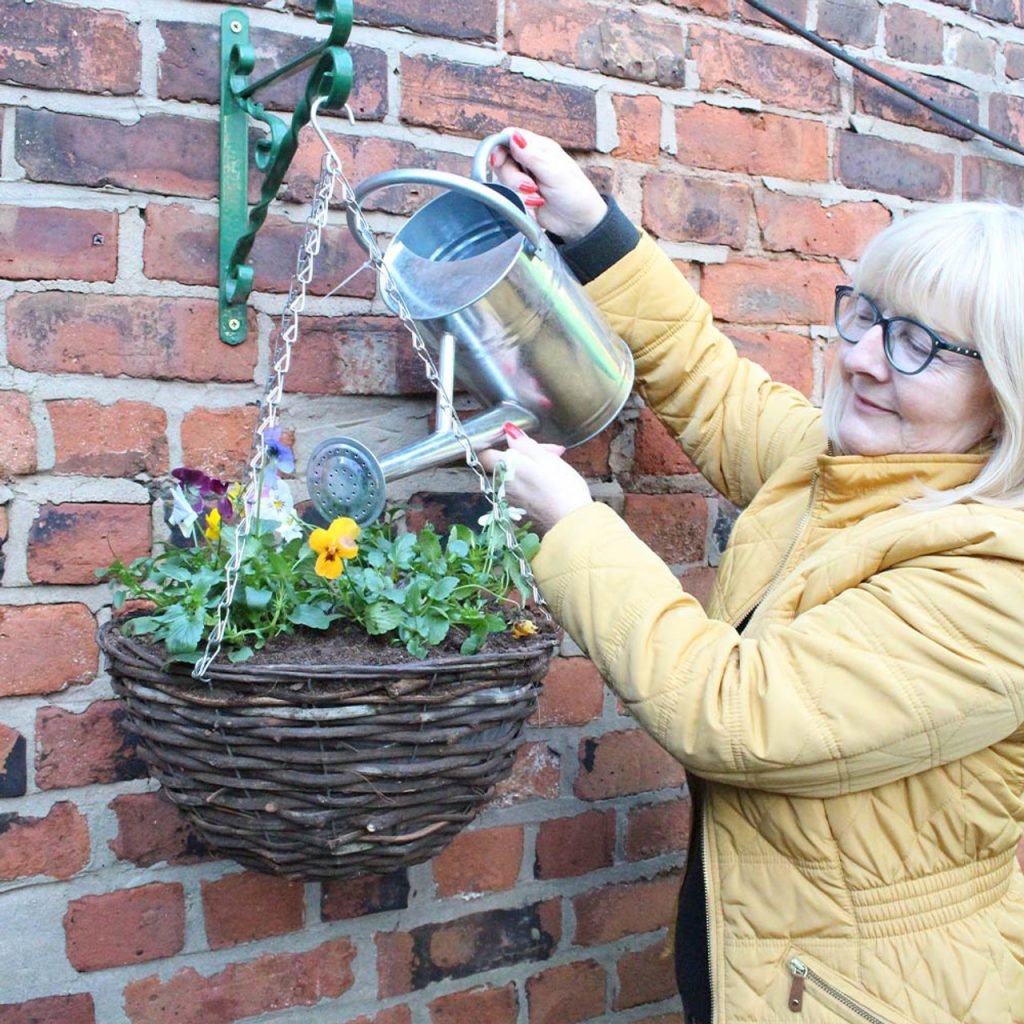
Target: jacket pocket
814 985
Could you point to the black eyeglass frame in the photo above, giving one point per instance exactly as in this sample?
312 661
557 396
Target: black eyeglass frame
844 290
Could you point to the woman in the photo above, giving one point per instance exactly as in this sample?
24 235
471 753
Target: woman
850 707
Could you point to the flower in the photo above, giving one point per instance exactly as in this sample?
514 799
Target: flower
334 545
213 521
524 627
278 453
415 589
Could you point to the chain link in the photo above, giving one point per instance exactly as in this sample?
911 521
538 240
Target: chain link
331 175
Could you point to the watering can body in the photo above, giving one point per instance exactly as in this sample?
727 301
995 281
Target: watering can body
500 312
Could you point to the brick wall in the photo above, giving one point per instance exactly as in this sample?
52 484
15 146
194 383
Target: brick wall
762 166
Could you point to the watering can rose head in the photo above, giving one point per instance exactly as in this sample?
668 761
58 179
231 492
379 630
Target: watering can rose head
420 590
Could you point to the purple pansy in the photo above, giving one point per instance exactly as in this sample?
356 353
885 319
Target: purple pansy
277 450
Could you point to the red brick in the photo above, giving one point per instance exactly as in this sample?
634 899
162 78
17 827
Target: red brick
780 291
45 648
116 335
408 961
1014 54
751 142
699 582
662 1018
46 242
632 908
476 101
850 22
151 830
395 1015
79 749
619 43
344 899
572 694
487 860
70 49
181 245
1006 115
130 926
623 763
646 976
56 845
535 776
657 829
686 209
189 61
591 457
674 525
796 9
68 542
218 441
248 905
897 168
973 52
272 982
355 355
569 847
780 75
992 179
122 439
799 224
18 443
449 19
493 1005
879 100
656 451
13 763
913 35
788 357
171 156
74 1009
567 994
638 121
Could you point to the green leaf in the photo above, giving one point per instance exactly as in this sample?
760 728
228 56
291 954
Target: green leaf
383 617
240 654
257 599
311 615
442 588
184 634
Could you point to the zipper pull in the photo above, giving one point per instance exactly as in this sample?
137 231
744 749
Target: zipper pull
796 991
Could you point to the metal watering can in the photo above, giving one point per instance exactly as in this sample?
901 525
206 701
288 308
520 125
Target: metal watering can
498 310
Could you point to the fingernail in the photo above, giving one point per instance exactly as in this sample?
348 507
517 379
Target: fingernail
494 159
533 201
519 139
528 186
511 430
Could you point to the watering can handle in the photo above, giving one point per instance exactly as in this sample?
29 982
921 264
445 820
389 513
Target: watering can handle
490 197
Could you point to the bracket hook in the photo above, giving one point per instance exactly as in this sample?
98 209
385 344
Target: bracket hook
330 82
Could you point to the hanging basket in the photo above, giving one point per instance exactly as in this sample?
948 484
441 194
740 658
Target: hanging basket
329 771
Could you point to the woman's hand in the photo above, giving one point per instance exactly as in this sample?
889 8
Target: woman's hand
538 479
551 183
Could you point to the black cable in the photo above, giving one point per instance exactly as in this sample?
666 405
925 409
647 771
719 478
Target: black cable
935 108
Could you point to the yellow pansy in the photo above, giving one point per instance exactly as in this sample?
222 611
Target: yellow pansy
524 627
212 531
334 545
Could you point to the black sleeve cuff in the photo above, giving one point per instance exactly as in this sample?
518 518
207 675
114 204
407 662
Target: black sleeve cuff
590 256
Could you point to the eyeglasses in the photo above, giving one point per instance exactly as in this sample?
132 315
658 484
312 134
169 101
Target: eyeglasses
909 346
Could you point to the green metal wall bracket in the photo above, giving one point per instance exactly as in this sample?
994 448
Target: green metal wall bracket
330 78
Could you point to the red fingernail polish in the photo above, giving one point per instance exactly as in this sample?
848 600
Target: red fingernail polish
533 201
519 139
528 186
511 430
494 159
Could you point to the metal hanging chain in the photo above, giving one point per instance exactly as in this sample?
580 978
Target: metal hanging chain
331 173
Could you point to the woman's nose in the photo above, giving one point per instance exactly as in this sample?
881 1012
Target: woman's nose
868 355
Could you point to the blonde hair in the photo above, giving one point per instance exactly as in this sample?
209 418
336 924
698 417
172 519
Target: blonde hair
959 267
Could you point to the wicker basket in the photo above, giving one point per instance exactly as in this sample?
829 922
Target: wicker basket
329 771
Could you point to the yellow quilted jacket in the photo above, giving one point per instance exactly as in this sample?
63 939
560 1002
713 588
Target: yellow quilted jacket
861 743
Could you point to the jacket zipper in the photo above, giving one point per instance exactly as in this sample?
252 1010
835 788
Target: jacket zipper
800 528
803 974
707 898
